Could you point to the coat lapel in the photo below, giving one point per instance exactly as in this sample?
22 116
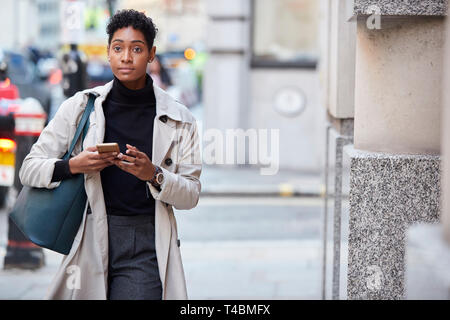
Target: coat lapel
164 126
163 135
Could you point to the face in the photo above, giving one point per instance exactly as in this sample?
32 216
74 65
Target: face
129 54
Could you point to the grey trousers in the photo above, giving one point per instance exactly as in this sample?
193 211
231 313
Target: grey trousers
133 268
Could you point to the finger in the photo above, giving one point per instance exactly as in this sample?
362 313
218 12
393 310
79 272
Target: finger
107 155
123 157
137 154
101 165
143 162
109 159
92 149
106 165
125 166
120 162
96 157
132 148
103 155
129 146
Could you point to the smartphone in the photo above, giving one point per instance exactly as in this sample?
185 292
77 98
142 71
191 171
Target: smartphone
108 147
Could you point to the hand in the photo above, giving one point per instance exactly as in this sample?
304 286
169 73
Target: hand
135 162
90 161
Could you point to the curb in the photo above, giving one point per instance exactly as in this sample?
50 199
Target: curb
281 190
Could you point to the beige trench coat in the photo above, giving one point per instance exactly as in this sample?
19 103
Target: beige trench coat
83 272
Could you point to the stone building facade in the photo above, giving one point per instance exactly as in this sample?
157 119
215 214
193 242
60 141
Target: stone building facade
392 103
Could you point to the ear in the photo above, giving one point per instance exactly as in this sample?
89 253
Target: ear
152 54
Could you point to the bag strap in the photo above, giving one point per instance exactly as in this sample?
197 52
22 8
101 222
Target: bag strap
82 126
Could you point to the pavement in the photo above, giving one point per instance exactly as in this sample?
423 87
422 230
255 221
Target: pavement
243 246
244 181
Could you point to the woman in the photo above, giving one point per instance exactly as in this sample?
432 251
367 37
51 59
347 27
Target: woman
127 246
159 74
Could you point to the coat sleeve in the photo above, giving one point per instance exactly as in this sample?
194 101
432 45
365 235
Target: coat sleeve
38 166
181 189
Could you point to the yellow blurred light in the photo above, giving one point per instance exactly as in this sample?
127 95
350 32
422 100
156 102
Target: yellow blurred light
189 53
7 145
286 189
5 84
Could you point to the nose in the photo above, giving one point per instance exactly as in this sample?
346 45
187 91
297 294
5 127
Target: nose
126 57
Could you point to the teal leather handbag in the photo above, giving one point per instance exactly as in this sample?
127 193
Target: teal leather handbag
51 218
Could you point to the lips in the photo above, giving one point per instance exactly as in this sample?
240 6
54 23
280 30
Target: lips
126 69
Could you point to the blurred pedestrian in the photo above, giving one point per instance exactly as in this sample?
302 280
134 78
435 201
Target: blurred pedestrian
74 68
159 73
127 246
7 89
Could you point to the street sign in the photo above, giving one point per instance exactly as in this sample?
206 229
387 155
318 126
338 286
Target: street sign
72 21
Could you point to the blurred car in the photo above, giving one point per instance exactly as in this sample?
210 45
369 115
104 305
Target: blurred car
33 80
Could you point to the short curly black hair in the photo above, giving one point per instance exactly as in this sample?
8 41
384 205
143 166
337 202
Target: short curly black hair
137 20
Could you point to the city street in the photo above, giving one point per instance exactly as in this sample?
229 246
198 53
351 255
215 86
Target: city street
232 248
252 248
322 129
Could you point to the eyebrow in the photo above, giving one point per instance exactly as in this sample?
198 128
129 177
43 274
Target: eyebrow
120 40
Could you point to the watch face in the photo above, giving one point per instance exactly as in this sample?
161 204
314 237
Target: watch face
159 178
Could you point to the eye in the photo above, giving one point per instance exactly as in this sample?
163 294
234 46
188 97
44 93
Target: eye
116 48
137 50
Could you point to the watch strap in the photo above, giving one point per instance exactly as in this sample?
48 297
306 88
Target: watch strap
153 181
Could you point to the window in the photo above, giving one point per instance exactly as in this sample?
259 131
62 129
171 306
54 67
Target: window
285 33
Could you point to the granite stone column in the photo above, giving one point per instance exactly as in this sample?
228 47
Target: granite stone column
446 139
395 162
428 244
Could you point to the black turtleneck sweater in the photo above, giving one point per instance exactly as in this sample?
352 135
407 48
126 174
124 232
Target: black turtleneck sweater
129 116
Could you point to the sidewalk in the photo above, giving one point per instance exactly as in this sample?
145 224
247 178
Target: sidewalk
234 270
17 284
281 269
248 182
249 248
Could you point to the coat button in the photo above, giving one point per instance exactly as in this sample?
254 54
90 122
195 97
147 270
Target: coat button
163 118
168 162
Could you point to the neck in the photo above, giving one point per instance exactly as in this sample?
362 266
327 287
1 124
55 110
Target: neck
135 84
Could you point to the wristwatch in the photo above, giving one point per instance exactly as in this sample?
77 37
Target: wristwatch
158 178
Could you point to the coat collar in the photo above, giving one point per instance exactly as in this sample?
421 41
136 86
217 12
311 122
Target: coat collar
165 104
164 131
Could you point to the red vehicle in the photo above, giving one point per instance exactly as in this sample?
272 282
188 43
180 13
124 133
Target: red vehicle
8 94
21 122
